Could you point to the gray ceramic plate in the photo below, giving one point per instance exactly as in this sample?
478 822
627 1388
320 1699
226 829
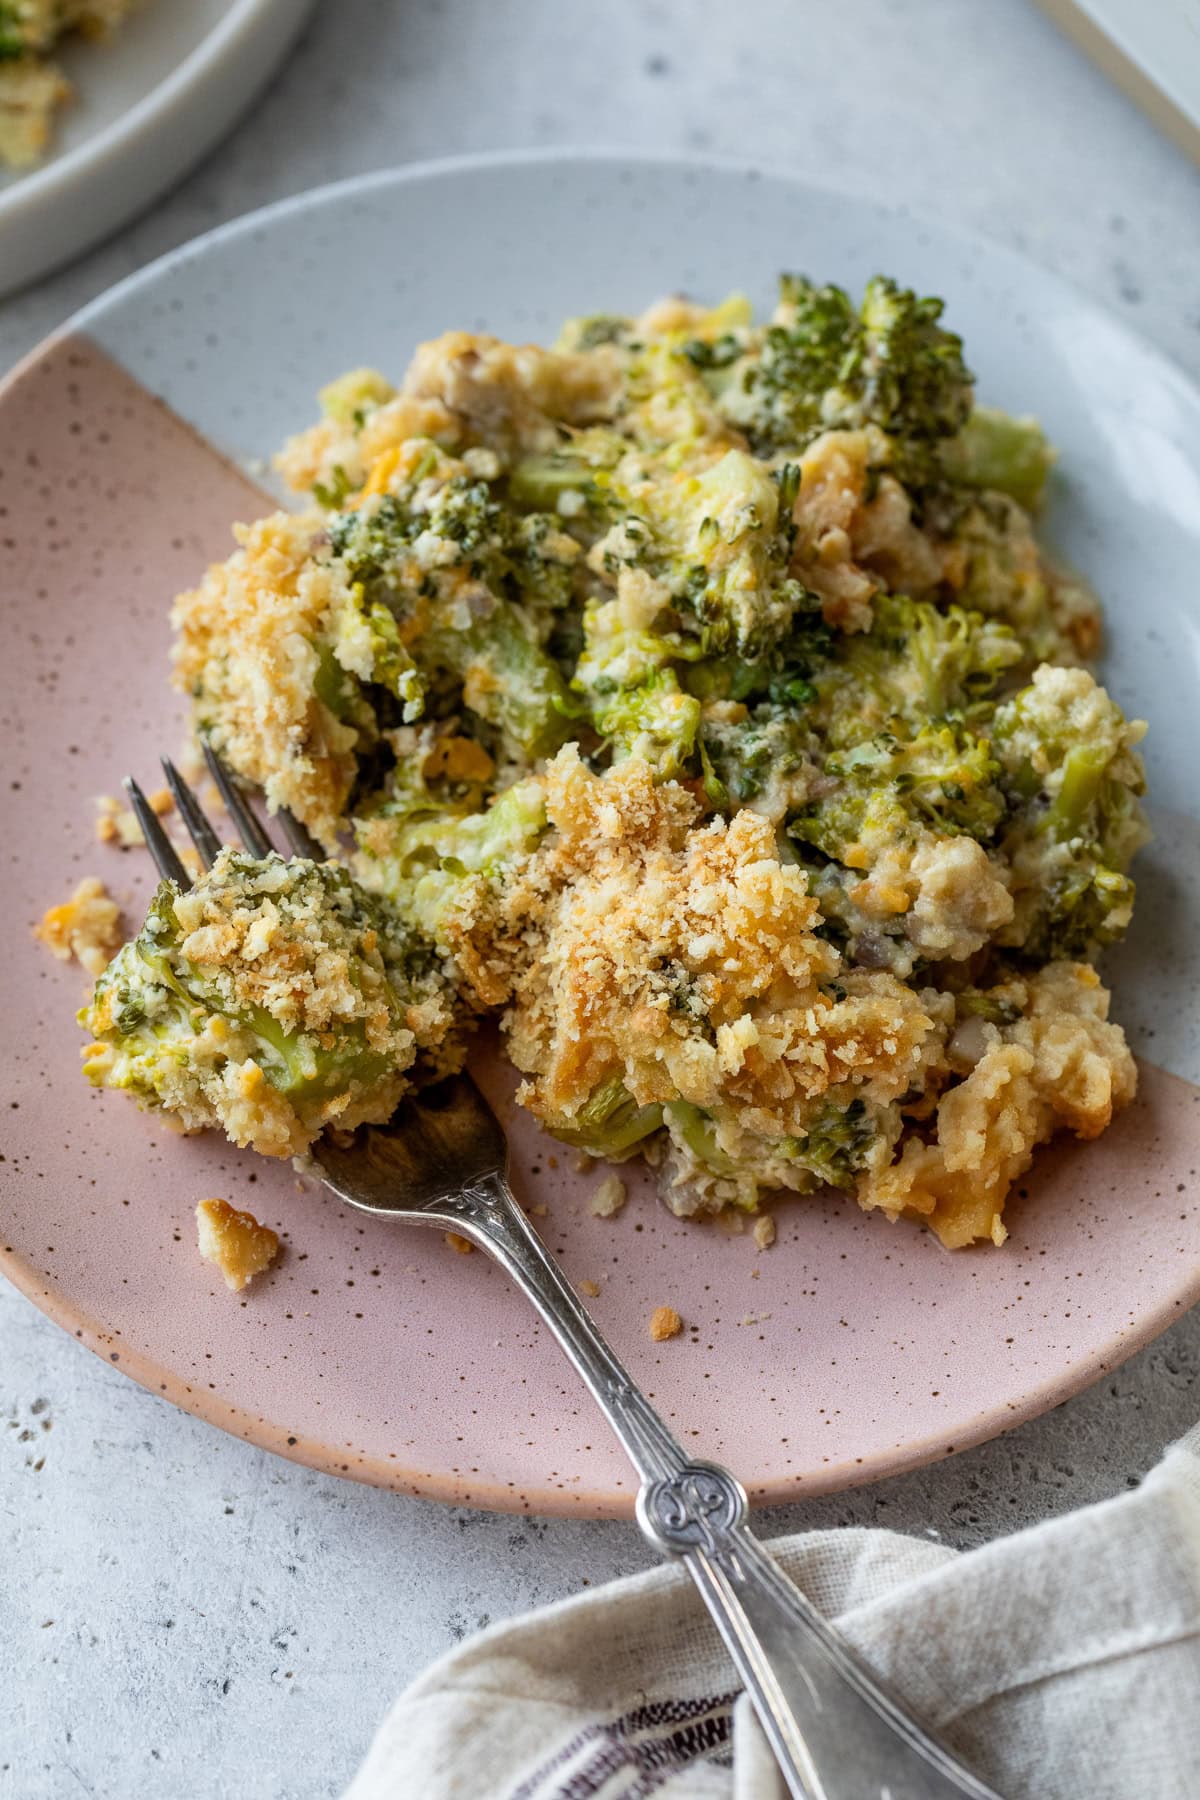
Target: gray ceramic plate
851 1349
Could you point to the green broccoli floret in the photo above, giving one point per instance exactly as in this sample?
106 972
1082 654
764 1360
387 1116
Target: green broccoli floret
917 662
352 396
627 676
366 644
1004 455
904 372
823 366
22 34
770 756
777 392
838 1144
486 641
722 541
433 862
655 721
573 481
1072 778
890 790
271 999
696 1131
901 713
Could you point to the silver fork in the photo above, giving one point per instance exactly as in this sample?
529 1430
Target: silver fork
837 1731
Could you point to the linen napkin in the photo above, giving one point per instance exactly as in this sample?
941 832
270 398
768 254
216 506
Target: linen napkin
1063 1663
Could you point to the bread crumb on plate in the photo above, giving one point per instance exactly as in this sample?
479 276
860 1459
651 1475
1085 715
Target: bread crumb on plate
234 1242
86 927
457 1242
608 1198
764 1231
590 1288
665 1323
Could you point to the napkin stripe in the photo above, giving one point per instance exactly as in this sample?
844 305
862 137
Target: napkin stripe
630 1756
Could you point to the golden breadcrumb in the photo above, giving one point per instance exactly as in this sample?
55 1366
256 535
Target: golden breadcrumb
245 639
1062 1064
456 1242
764 1231
608 1199
682 957
234 1242
665 1323
86 927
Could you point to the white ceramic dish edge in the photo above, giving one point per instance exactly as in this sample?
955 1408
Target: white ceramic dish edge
54 213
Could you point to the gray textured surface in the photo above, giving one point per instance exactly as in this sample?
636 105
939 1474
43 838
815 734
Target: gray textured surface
180 1613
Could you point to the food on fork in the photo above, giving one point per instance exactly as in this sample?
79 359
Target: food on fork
32 86
272 999
696 697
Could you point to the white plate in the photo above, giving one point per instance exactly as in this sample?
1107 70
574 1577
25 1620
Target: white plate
149 103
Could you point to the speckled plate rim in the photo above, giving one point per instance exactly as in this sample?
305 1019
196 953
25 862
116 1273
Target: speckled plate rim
1038 1397
485 161
326 1459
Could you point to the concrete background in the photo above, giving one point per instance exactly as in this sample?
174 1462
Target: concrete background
183 1615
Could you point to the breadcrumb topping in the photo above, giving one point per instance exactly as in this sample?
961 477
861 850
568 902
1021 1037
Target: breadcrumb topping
665 1323
86 927
608 1199
234 1242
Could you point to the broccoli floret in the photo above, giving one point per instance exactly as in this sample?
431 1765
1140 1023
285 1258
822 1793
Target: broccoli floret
821 365
272 999
1072 778
901 712
917 663
435 863
627 676
889 790
366 641
695 1130
723 549
765 760
996 452
904 371
572 481
441 570
838 1144
655 721
777 391
352 396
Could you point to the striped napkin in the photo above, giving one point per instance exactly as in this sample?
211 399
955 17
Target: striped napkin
1063 1663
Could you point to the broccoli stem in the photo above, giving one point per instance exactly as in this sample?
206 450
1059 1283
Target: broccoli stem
1083 774
610 1122
994 450
699 1133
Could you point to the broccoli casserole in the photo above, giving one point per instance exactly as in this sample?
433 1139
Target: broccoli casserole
695 697
32 86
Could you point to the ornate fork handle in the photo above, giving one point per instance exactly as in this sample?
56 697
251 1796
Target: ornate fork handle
837 1732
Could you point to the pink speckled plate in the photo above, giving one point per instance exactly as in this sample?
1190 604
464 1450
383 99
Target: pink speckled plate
852 1348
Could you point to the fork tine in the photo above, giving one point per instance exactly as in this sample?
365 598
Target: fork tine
192 813
300 839
166 857
253 835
